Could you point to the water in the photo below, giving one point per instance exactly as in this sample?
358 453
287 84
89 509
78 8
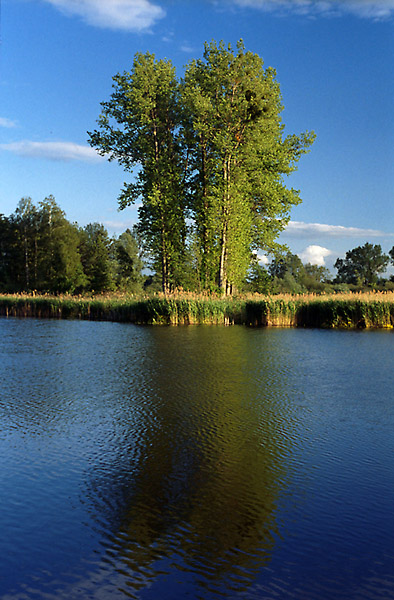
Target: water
195 462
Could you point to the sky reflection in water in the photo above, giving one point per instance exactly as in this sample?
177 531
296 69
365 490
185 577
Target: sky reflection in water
195 462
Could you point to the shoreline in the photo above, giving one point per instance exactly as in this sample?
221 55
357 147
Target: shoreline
344 311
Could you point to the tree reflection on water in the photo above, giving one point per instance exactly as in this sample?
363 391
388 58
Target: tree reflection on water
189 487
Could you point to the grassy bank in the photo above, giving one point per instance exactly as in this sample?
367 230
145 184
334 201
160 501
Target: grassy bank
340 310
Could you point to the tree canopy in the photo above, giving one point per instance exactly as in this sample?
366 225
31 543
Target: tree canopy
362 265
209 157
40 250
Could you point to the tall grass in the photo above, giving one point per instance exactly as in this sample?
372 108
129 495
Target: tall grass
350 310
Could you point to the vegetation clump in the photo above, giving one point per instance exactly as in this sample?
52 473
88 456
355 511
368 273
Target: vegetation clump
359 310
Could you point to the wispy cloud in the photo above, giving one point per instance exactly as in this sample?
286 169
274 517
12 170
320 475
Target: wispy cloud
127 15
370 9
119 226
58 151
187 48
315 255
300 229
7 123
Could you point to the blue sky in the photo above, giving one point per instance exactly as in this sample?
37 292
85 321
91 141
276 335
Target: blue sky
334 62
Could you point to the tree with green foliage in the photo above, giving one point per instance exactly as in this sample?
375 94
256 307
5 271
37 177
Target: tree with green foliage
94 248
39 249
139 126
361 265
6 254
128 263
289 263
315 278
319 273
238 158
211 148
259 280
24 245
59 266
286 272
290 275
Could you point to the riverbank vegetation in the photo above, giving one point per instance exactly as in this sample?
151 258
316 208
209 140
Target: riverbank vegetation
41 252
351 310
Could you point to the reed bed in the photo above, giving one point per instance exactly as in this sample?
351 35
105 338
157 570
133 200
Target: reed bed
345 310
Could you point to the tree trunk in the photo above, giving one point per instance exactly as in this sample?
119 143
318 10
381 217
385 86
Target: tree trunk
222 264
27 270
224 284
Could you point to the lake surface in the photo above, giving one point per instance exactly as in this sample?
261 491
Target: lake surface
195 462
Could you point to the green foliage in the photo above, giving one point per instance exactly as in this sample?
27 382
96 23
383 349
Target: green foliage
139 125
238 158
259 280
58 264
41 251
7 254
210 147
128 263
289 275
362 265
94 248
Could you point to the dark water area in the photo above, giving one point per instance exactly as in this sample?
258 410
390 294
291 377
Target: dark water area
195 462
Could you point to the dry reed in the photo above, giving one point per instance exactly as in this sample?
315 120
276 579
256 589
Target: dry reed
345 310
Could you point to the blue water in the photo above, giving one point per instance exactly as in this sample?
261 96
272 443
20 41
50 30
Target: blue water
195 462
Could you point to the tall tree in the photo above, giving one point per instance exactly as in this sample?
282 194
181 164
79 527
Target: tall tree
214 145
238 159
24 223
6 255
59 266
362 265
128 262
139 125
94 248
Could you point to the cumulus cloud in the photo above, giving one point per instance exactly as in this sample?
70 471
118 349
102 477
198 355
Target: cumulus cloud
315 255
58 151
7 122
262 259
300 229
127 15
370 9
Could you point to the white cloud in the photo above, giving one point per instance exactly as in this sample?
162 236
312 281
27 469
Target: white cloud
370 9
7 122
127 15
262 259
315 255
300 229
119 226
186 48
58 151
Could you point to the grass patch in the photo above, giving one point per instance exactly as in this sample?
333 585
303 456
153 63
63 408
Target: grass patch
350 310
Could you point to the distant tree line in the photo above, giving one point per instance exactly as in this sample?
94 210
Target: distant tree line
362 268
40 250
